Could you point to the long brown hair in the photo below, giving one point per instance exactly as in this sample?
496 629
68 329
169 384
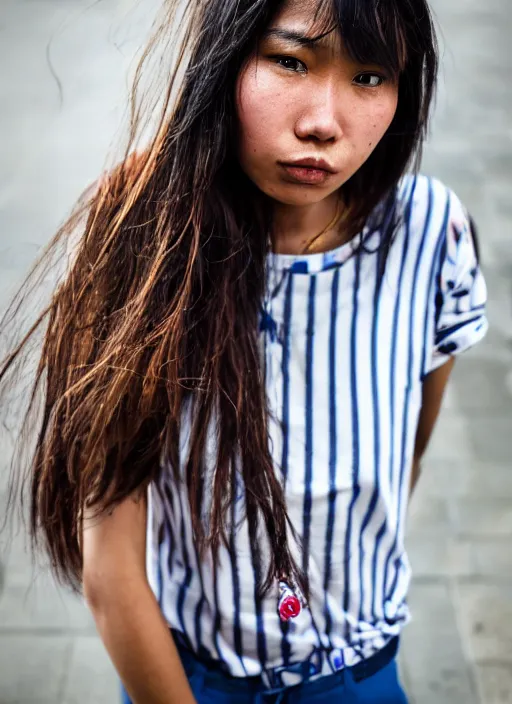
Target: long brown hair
162 299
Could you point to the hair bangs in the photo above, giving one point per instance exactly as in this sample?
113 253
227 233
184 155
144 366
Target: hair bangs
373 32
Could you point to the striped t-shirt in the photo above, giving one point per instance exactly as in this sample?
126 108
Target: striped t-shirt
345 352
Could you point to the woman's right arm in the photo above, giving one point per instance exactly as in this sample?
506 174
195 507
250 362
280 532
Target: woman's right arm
125 610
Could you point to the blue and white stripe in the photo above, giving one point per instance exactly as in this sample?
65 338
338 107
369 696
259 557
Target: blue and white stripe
345 354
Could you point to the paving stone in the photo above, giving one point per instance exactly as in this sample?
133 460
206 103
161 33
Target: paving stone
2 576
440 557
498 288
501 201
475 8
490 437
91 677
428 515
405 681
482 517
24 566
32 668
497 343
463 478
431 650
40 606
495 683
485 614
449 404
480 384
450 440
494 559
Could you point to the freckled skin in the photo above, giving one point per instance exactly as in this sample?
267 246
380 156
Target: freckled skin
287 114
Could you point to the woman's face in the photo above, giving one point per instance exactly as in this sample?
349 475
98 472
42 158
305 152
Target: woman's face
299 102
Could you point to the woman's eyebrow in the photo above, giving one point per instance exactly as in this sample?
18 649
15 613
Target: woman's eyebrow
293 37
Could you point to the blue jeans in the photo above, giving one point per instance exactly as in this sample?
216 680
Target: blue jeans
213 687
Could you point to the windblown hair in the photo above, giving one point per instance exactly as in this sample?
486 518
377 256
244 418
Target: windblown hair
162 300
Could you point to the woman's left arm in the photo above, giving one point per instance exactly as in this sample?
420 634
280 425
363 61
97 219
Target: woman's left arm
434 386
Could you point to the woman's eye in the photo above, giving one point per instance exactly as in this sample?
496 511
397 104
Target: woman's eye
369 80
291 64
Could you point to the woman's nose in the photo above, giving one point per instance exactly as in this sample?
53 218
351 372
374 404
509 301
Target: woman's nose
319 117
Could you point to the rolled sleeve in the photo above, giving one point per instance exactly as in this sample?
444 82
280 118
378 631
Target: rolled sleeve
461 292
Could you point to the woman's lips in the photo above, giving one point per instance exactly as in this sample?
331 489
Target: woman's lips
306 174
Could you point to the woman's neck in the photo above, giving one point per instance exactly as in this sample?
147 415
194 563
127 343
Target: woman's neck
308 229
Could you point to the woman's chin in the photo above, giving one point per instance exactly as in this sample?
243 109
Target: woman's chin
297 195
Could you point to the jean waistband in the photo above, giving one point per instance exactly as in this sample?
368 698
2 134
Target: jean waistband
319 665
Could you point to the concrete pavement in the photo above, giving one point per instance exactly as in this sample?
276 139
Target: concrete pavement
62 88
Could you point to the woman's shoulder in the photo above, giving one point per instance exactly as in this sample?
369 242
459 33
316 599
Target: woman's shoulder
432 212
426 197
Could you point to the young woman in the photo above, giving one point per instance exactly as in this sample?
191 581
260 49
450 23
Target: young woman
242 369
